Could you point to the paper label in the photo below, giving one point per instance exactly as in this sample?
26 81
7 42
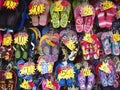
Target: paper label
25 85
9 75
104 67
70 44
10 4
49 85
116 37
36 9
86 72
88 38
87 11
107 5
7 40
66 73
58 6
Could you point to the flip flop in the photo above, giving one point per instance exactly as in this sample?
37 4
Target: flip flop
91 81
65 16
115 48
44 16
117 63
17 51
55 17
78 20
106 44
24 51
82 81
35 21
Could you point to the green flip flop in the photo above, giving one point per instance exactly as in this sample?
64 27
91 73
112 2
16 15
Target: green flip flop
24 52
17 51
55 17
65 16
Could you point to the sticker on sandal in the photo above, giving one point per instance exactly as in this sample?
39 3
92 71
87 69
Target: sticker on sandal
8 75
10 4
107 5
86 72
58 6
116 37
104 67
36 9
49 85
25 85
87 11
7 39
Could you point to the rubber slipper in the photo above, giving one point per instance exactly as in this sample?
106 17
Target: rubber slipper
78 20
65 16
34 20
106 44
44 16
24 52
55 17
115 48
17 51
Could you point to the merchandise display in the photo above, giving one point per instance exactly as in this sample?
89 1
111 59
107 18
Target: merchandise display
59 44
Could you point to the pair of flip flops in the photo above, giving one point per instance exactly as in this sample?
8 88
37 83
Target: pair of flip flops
8 82
105 15
110 47
65 73
21 45
70 44
42 7
49 47
107 78
84 21
90 47
60 11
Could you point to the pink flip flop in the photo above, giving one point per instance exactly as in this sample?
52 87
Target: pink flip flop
78 19
44 16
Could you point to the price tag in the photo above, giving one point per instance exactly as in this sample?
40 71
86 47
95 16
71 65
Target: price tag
66 74
49 85
86 72
104 67
27 70
25 85
9 75
88 38
87 11
70 44
7 39
118 14
116 37
37 9
58 6
10 4
107 5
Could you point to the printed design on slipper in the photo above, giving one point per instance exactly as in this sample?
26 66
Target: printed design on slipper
90 46
84 18
117 63
50 84
44 67
65 74
70 41
60 11
11 4
8 79
106 17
